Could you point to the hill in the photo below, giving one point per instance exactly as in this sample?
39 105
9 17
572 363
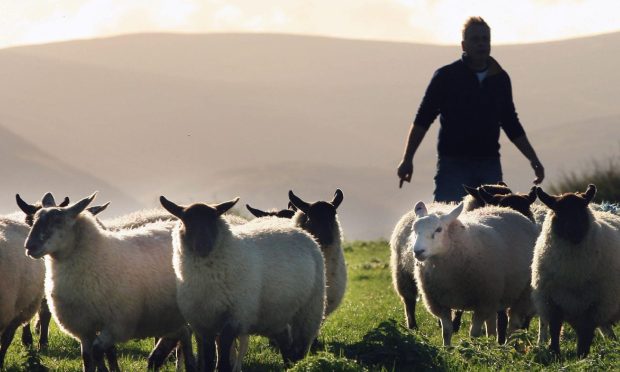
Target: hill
211 117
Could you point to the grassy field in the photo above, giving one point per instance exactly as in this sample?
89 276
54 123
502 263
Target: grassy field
366 333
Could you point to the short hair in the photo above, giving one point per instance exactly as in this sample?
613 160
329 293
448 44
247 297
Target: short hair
474 21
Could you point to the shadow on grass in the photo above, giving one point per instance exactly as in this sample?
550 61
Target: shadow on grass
394 348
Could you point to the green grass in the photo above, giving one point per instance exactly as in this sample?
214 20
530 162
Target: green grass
366 333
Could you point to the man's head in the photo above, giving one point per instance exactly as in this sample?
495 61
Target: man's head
476 42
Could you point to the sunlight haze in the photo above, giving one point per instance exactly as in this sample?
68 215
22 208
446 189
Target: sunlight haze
417 21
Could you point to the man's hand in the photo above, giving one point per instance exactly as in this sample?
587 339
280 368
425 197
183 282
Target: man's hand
405 171
539 170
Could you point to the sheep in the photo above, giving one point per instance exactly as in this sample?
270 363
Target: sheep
22 290
402 263
576 262
106 286
477 262
44 315
262 278
321 221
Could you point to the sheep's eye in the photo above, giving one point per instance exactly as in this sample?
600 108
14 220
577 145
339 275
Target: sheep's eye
438 230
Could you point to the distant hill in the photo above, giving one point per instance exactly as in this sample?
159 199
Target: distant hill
211 117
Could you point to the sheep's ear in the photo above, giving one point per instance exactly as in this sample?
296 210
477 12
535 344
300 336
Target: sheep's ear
292 207
48 200
65 202
98 209
29 209
471 191
80 206
590 192
548 200
420 209
287 213
531 197
453 215
224 207
298 203
338 196
174 209
256 212
502 183
488 198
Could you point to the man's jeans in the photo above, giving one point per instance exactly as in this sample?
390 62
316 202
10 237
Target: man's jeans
454 172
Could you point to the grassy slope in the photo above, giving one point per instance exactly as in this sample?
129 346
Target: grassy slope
365 333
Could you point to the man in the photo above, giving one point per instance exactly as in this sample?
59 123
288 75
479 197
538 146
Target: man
473 97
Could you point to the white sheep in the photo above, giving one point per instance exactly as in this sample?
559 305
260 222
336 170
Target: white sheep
320 219
262 278
44 315
402 263
477 262
575 267
21 291
105 286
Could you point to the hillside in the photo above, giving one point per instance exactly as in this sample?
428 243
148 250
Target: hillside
211 117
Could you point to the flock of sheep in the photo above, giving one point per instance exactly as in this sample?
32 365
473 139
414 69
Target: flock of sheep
498 251
163 273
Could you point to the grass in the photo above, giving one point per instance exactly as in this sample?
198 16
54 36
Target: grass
366 333
605 175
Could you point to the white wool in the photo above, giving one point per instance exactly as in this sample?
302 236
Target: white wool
119 284
263 277
581 279
22 277
479 261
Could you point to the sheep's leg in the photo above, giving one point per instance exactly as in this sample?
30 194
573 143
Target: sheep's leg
456 321
224 346
5 341
490 325
285 344
185 348
478 319
502 326
160 352
206 351
607 332
43 324
408 291
111 357
555 327
585 333
88 363
237 357
445 317
543 331
26 335
103 342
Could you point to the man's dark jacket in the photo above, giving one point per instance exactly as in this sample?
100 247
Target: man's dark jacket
471 113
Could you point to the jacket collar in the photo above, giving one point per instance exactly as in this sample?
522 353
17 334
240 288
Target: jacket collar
493 67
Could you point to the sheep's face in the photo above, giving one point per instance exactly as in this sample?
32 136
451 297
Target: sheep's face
52 229
47 233
429 236
199 230
570 218
319 218
497 189
518 202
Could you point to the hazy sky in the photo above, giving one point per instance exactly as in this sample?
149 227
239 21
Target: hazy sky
424 21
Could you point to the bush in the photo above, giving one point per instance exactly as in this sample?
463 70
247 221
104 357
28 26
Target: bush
606 177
